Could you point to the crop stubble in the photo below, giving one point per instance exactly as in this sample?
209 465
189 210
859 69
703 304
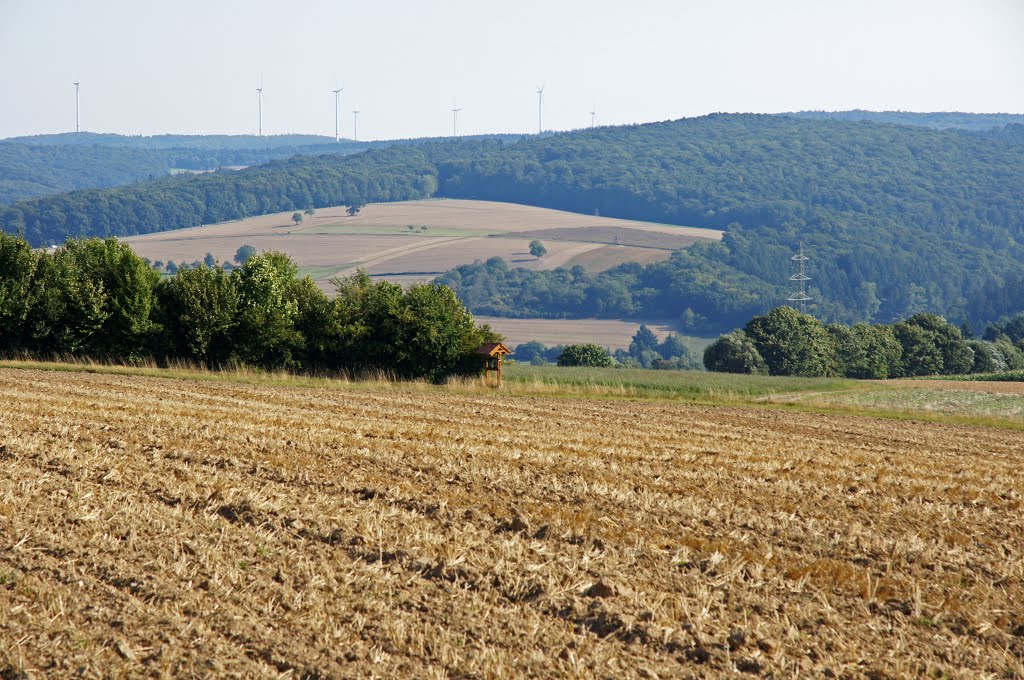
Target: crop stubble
152 526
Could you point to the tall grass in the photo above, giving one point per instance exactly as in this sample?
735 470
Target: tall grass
671 384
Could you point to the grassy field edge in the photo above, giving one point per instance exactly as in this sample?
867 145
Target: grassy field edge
808 395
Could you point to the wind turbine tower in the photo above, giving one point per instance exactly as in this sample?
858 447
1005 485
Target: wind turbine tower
355 124
259 103
540 109
593 116
77 128
337 104
455 119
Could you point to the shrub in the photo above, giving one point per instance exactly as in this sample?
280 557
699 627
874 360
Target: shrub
734 353
985 357
197 309
792 343
585 355
866 352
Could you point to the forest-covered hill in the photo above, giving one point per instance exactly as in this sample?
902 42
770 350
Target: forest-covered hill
897 219
46 165
43 165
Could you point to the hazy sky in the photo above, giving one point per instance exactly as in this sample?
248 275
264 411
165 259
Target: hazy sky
189 66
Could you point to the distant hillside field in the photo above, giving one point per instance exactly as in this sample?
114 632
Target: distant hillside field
416 240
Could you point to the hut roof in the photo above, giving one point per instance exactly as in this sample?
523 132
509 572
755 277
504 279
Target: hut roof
493 349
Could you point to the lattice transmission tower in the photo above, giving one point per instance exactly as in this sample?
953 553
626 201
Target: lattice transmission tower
801 278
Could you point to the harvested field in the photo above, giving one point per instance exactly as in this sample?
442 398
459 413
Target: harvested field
603 258
609 333
644 237
230 529
421 238
439 255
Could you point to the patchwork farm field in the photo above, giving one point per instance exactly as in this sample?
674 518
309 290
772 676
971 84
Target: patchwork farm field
416 240
156 526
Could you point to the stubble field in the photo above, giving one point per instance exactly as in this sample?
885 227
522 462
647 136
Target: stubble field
153 526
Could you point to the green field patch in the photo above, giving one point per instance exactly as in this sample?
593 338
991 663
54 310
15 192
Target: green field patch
324 271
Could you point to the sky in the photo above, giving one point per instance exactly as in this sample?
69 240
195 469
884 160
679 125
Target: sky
192 67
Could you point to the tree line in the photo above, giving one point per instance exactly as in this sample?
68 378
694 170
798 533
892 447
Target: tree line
786 342
96 298
899 220
644 351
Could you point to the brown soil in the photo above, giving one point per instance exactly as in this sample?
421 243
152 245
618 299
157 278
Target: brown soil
154 527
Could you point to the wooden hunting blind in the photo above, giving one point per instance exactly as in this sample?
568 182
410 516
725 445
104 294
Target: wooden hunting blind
492 354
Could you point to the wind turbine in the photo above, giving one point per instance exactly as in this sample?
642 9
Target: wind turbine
355 123
337 103
259 102
593 116
540 109
77 128
455 119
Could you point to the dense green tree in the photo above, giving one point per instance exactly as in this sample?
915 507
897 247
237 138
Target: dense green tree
197 309
1012 356
985 359
919 353
68 308
957 356
244 253
643 340
296 217
734 353
265 332
209 260
792 343
1012 327
18 264
587 354
125 285
537 353
537 249
866 352
424 331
